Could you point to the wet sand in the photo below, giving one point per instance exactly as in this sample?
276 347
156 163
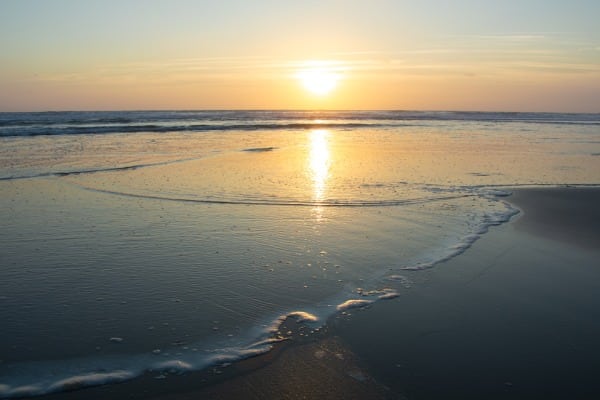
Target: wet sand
567 215
310 365
516 316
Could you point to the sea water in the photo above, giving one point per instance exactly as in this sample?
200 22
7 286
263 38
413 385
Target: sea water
164 242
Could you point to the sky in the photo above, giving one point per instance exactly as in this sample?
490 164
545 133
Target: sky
510 55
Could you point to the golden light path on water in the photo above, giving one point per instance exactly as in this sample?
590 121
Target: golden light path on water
318 164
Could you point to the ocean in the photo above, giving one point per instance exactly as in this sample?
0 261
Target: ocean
162 242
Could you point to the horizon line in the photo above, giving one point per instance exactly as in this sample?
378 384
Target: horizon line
294 110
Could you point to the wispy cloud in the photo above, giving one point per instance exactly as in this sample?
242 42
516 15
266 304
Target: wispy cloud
475 55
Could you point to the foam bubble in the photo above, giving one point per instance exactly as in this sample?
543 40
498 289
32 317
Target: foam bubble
389 295
302 316
355 303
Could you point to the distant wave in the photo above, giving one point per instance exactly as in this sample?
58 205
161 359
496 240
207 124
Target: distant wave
73 123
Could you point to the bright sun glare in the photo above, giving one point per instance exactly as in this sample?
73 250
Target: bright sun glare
319 78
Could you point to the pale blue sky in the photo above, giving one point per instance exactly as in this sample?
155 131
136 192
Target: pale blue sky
191 54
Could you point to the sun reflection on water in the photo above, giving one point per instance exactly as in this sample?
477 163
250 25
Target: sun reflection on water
318 165
319 159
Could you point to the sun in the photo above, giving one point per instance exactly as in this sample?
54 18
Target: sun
319 78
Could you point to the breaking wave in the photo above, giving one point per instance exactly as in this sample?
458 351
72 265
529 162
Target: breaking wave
83 123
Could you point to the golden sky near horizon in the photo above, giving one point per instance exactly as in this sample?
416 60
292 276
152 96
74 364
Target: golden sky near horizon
524 55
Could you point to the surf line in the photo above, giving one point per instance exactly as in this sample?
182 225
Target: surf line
289 203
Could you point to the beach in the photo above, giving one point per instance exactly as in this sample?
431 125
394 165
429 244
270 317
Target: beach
364 255
515 317
500 321
299 200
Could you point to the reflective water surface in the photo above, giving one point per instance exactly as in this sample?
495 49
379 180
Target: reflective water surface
124 253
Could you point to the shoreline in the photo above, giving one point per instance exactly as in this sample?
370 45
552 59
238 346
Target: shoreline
349 357
513 317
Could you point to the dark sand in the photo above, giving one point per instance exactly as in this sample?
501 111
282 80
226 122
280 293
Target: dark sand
569 215
517 316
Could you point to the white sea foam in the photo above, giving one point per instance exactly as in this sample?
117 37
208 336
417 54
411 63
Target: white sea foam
7 391
44 378
173 367
354 303
481 227
91 379
302 316
389 295
68 383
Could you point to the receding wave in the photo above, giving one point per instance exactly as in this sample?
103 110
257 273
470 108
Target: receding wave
283 202
67 375
32 379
